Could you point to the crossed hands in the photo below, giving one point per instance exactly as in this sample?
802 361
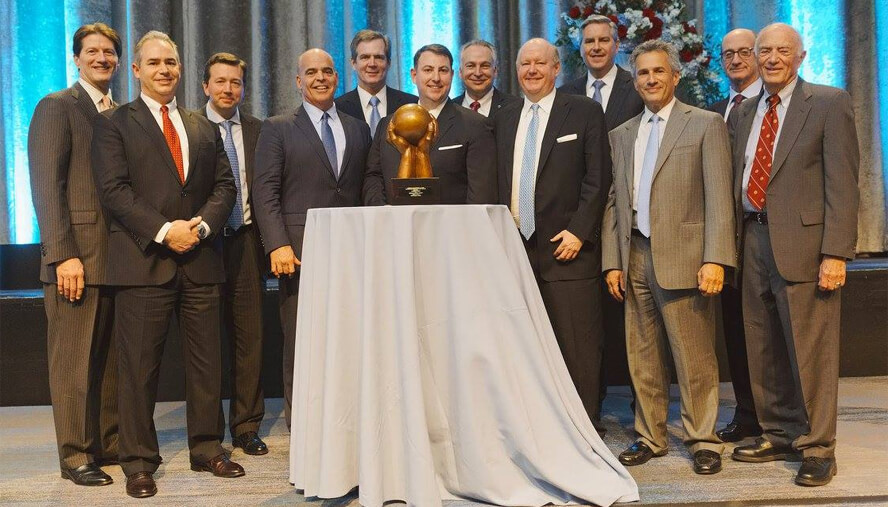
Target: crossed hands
182 237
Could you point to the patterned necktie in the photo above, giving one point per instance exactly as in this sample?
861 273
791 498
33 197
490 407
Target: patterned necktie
526 218
475 106
106 103
764 156
596 95
374 115
647 177
735 102
329 142
236 219
172 139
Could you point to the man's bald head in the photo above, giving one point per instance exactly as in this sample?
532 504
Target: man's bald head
317 78
538 66
738 58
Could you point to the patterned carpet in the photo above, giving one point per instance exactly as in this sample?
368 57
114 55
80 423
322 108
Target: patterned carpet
29 474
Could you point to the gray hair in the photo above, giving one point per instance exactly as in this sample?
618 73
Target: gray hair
598 19
153 35
795 33
656 45
482 43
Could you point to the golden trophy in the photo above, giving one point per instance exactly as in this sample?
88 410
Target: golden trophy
412 131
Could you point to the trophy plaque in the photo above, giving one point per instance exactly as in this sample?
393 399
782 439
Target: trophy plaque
412 131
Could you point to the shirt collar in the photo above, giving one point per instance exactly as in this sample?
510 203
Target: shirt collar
364 95
437 111
608 78
753 90
215 117
488 97
662 113
154 105
545 103
785 94
316 114
94 93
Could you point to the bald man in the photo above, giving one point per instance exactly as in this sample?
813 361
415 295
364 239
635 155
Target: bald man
738 62
313 157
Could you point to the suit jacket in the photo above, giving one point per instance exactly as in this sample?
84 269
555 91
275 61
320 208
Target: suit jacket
139 185
71 219
812 196
463 157
719 107
624 104
250 126
293 175
692 216
573 178
350 103
498 100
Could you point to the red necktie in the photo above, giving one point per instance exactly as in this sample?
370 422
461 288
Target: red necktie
172 139
475 106
764 156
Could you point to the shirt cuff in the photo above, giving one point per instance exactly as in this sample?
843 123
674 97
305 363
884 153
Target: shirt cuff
158 238
207 227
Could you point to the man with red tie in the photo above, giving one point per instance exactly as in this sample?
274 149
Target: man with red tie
164 177
477 70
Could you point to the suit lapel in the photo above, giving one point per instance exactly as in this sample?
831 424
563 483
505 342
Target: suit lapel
445 122
193 134
349 131
628 145
744 130
678 120
618 96
303 122
84 101
795 118
251 135
140 113
560 110
510 130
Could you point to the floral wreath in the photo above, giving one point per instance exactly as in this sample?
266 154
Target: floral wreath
643 20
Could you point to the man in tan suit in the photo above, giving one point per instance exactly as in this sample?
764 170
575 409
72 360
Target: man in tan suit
795 167
668 234
74 250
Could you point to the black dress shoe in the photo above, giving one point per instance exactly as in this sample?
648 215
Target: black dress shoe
762 451
735 432
141 485
250 443
87 475
638 454
816 471
220 466
707 462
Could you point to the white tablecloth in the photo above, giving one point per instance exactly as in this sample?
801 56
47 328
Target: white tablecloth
426 367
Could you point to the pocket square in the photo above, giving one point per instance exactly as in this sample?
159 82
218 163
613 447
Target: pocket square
451 147
564 139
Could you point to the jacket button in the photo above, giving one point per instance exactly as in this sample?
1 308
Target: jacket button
338 190
184 194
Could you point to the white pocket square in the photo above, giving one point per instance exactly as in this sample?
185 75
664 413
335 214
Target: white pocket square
564 139
451 147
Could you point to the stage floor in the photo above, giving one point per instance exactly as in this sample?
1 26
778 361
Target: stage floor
29 472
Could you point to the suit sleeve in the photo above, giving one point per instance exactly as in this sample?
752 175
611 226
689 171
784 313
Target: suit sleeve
267 186
841 164
374 184
718 235
610 242
586 221
217 209
111 172
481 165
49 153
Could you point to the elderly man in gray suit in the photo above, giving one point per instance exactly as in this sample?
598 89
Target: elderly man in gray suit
795 164
74 249
668 235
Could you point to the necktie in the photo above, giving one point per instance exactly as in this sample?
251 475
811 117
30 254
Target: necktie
764 156
172 139
475 106
647 177
106 103
596 95
374 115
526 219
329 142
735 102
236 219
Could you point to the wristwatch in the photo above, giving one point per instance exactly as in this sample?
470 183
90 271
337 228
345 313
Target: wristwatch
202 231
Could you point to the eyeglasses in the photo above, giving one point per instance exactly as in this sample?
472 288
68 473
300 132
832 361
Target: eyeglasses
729 54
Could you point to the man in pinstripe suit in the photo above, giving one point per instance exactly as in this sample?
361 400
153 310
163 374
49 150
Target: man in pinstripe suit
667 236
73 247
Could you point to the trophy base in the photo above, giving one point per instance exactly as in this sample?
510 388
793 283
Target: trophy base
415 191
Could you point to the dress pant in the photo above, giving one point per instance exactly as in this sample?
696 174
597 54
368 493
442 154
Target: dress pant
738 364
82 357
242 312
142 319
792 338
659 320
574 309
288 294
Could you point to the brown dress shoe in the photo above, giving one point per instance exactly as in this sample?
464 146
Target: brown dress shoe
140 485
250 443
220 466
87 475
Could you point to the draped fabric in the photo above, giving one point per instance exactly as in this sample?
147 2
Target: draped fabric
35 59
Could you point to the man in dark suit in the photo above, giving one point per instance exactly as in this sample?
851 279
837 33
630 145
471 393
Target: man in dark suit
738 62
606 82
796 163
477 70
463 155
372 100
74 249
311 158
224 84
163 176
554 174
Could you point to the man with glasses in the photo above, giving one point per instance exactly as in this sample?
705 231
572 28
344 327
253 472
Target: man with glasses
738 62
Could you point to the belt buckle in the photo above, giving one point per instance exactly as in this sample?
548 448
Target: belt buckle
228 231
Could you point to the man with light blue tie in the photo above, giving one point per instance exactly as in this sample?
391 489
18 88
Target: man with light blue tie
667 236
224 85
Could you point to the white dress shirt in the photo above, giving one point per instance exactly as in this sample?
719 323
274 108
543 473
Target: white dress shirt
335 123
237 133
641 140
544 111
785 95
364 96
437 109
486 101
749 92
609 79
95 94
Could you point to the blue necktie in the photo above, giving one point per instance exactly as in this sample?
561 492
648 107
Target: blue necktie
526 219
236 219
374 114
647 178
596 95
329 142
